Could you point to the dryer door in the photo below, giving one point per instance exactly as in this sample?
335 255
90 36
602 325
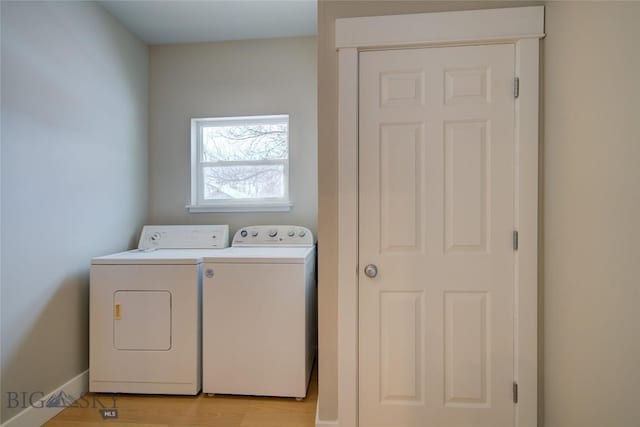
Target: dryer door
142 320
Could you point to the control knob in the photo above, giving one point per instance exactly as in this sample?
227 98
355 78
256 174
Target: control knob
291 233
243 233
273 233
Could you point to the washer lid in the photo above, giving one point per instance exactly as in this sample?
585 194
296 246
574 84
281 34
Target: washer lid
156 257
260 255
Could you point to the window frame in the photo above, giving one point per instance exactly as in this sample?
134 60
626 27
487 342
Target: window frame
268 204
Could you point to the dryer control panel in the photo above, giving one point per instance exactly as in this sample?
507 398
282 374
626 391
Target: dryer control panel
184 237
274 235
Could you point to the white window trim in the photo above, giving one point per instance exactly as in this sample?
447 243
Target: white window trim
522 26
198 205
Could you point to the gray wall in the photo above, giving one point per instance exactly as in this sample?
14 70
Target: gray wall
591 212
590 206
74 178
237 78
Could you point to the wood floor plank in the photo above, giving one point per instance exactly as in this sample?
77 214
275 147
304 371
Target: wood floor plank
200 410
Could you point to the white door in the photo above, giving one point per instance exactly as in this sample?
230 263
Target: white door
436 216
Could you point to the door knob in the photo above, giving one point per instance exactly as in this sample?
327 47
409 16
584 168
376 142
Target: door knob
371 270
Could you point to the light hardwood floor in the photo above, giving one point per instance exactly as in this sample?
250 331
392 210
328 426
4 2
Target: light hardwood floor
201 410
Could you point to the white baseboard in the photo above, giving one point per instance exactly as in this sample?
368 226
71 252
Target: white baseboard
324 423
40 413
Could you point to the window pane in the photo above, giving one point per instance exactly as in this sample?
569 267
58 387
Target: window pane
258 141
243 182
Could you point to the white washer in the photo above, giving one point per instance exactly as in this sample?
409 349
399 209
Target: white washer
145 312
259 313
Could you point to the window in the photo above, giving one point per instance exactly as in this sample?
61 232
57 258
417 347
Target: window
240 164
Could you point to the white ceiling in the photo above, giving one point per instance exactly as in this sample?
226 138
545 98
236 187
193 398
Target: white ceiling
187 21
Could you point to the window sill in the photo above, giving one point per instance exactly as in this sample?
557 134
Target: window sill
244 207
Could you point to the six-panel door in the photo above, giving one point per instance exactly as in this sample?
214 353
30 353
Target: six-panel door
436 203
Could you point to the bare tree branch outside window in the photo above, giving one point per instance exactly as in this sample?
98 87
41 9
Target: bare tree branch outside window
244 161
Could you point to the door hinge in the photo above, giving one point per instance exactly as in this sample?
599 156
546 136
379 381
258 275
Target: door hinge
516 87
515 240
515 392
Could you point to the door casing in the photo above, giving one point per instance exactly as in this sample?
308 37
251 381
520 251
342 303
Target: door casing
522 26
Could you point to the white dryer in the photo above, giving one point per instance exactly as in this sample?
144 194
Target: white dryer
145 312
259 313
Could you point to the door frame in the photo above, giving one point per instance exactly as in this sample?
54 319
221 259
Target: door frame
521 26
